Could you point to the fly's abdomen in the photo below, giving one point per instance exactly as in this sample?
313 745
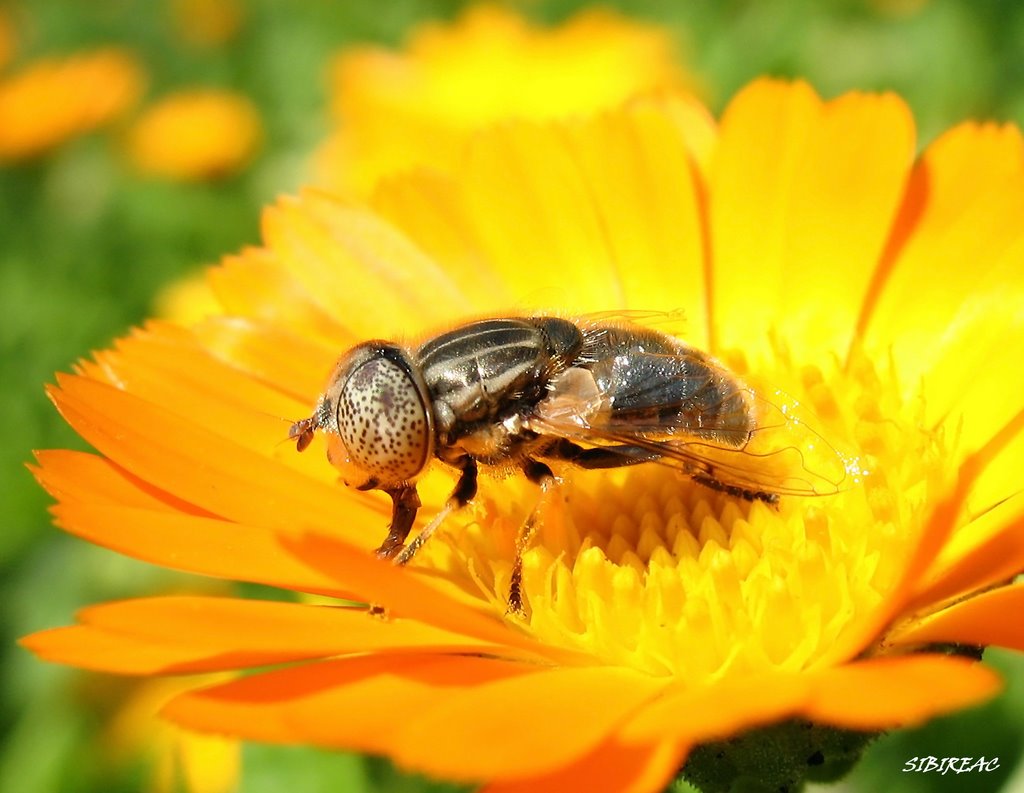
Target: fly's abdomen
655 384
481 370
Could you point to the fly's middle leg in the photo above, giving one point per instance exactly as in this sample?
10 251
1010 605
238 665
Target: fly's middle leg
601 457
539 474
709 481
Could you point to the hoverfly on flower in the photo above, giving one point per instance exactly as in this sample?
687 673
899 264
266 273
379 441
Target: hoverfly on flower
522 392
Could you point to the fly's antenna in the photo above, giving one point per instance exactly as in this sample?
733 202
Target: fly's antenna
302 433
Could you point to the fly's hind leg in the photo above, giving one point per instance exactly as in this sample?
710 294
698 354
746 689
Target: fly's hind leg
465 490
617 456
709 481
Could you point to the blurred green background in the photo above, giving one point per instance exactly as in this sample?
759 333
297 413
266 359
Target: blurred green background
86 244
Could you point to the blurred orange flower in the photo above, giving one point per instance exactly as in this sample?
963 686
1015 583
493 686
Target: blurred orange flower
809 251
208 23
55 99
195 135
396 110
7 38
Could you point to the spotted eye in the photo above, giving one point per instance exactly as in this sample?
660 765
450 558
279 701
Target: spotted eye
382 421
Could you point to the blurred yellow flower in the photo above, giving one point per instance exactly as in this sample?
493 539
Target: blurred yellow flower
195 135
181 760
808 249
394 110
55 99
187 300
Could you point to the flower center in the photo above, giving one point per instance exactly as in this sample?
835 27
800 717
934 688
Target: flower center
646 568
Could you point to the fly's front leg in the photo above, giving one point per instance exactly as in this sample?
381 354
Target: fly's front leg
464 492
405 502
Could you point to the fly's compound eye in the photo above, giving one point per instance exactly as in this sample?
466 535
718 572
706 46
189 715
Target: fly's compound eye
382 422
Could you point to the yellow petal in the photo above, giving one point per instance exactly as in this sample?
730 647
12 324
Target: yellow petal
988 550
535 217
802 196
649 209
348 258
951 293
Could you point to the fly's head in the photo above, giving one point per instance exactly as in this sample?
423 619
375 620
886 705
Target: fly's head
377 418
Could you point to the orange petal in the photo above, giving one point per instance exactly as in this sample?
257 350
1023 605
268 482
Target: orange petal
151 530
802 196
206 469
695 715
101 651
988 550
989 618
167 367
68 474
883 693
232 551
611 768
190 634
179 375
644 191
268 626
296 365
420 597
207 546
254 284
493 731
106 505
350 703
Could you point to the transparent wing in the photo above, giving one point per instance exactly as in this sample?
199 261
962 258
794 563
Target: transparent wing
732 436
669 321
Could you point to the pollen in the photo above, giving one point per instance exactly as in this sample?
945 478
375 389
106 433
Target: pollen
642 567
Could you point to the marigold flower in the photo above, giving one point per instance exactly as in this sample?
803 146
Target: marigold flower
56 99
195 135
808 249
396 110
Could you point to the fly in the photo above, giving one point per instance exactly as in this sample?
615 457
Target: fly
529 391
